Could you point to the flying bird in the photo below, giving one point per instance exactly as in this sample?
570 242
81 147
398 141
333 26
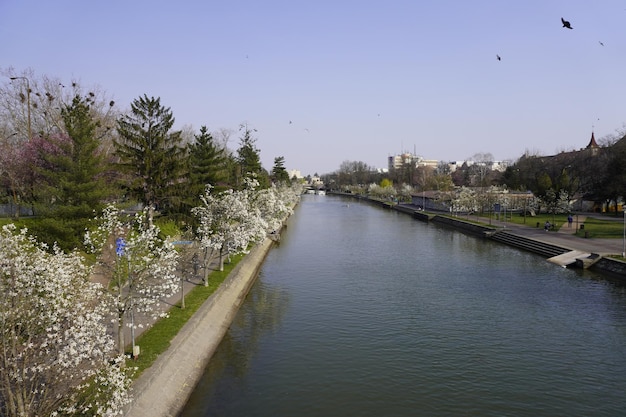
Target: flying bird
566 24
498 57
601 43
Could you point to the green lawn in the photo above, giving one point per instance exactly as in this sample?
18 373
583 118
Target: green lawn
599 228
602 229
530 221
558 220
20 223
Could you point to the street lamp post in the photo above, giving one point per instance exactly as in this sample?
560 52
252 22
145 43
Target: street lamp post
132 311
624 236
423 191
27 102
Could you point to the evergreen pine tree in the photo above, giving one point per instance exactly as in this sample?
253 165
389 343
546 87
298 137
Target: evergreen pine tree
73 186
279 173
150 152
249 159
206 165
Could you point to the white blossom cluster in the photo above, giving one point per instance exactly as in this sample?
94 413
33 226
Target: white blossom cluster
556 204
57 358
275 204
143 274
232 220
378 191
466 200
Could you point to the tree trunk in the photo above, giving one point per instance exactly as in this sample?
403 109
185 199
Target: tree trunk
221 258
120 332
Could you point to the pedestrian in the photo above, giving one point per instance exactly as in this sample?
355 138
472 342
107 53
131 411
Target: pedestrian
570 219
546 226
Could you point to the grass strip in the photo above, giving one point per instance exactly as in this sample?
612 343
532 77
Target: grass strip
158 337
602 229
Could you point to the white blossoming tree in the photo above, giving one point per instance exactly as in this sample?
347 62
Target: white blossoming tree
142 273
229 222
56 356
386 192
232 220
466 201
274 204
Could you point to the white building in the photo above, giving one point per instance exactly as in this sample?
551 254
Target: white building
294 173
397 161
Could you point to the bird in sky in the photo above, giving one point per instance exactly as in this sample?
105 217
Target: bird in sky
498 57
601 43
566 24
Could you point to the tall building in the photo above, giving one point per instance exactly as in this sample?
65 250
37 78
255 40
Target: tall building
397 161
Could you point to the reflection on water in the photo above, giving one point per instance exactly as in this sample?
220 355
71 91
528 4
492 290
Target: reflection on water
364 311
258 317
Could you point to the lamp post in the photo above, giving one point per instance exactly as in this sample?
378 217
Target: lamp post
135 349
624 236
423 191
27 102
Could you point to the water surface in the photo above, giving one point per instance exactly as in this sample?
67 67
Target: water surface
367 312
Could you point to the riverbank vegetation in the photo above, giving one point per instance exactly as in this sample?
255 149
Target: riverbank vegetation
591 179
95 199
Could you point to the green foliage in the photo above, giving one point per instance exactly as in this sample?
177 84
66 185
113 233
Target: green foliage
66 233
167 228
614 183
206 164
279 173
149 152
386 182
72 186
249 160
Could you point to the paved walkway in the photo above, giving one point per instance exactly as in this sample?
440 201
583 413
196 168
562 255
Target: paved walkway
163 389
190 277
563 237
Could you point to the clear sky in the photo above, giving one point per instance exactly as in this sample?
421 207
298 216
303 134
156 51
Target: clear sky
327 81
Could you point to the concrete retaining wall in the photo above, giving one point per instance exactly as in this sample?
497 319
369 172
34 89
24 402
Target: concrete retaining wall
467 227
612 266
164 388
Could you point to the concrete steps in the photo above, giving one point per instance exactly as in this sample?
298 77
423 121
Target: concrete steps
570 258
541 248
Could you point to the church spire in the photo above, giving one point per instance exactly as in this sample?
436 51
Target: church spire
592 143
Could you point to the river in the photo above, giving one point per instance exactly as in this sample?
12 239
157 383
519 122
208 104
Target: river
362 311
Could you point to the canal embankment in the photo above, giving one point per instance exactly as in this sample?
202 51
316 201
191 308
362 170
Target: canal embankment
536 240
163 389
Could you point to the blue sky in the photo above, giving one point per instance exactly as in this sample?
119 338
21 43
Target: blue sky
358 80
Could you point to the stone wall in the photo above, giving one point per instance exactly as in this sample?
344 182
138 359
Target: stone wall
612 266
467 227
